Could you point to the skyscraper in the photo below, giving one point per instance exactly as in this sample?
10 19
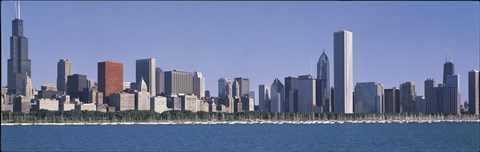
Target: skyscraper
369 98
110 78
392 99
306 93
431 103
277 101
142 96
474 92
224 87
64 69
291 93
448 69
145 69
159 81
19 65
407 97
178 82
75 86
452 102
343 71
323 83
198 84
244 84
236 90
264 97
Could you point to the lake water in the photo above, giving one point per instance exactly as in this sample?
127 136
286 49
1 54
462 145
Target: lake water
258 137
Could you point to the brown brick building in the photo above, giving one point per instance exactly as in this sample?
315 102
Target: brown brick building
110 78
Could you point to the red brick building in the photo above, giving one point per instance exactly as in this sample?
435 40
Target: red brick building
110 78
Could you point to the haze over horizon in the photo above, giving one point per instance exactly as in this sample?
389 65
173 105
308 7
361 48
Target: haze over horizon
393 42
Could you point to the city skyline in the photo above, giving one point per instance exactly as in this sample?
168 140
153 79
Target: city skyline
83 64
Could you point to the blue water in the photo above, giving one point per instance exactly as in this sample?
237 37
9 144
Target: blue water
337 137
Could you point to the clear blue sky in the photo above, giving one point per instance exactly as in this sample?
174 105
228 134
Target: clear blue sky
393 42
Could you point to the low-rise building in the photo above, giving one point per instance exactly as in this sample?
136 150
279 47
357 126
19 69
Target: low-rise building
21 104
158 104
48 104
86 107
66 106
123 101
189 102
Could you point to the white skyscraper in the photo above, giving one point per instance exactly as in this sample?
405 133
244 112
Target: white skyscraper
145 69
198 85
343 71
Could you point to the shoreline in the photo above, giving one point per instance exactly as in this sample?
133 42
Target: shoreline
318 122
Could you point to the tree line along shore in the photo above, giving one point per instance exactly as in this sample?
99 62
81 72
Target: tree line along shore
76 116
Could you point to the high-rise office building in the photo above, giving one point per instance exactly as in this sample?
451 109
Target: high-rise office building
145 69
474 92
343 71
306 93
431 104
407 97
28 89
236 90
264 97
244 84
76 87
369 98
277 100
392 100
198 85
110 78
19 65
452 102
224 87
64 69
291 93
448 69
178 82
159 81
323 84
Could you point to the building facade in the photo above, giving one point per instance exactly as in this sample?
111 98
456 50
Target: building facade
19 65
145 69
64 69
474 92
291 93
264 97
369 98
122 101
198 85
306 93
76 84
392 100
407 97
244 86
277 101
343 71
323 84
110 78
142 97
159 81
177 82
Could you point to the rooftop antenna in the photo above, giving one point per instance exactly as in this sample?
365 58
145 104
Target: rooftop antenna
17 9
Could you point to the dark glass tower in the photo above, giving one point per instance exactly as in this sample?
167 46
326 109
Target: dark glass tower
19 66
448 69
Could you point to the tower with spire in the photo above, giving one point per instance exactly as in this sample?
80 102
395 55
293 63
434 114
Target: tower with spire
19 65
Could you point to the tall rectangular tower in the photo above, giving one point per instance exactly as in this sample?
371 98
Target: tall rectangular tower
474 92
64 69
244 86
343 71
159 81
19 65
110 78
145 68
178 82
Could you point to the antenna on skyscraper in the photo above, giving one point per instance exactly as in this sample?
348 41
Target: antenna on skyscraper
18 9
